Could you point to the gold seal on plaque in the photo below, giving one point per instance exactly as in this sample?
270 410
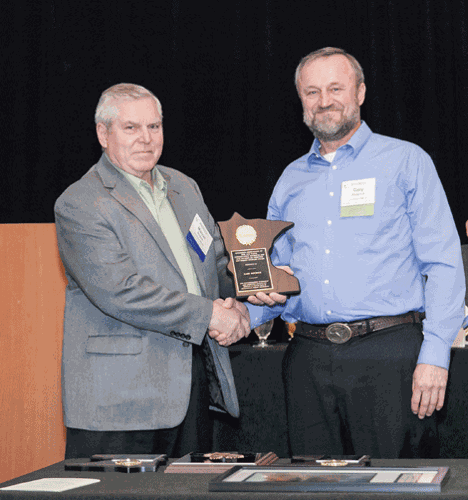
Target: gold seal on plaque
221 456
246 235
334 463
128 462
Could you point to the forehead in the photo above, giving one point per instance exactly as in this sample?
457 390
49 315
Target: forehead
326 70
142 110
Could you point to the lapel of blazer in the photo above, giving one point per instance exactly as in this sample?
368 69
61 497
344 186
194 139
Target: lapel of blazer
126 195
183 217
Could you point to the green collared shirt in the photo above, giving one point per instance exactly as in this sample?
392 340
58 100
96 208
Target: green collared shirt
158 204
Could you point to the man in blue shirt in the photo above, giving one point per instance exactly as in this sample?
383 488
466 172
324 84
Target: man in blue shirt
376 251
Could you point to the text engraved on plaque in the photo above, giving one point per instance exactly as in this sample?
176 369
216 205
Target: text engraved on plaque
251 270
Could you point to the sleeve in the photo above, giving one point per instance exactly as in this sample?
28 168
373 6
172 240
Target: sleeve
282 250
437 248
226 283
280 256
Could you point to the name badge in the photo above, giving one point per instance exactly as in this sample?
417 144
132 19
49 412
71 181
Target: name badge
357 198
199 237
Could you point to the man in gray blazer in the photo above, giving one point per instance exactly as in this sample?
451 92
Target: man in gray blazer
145 330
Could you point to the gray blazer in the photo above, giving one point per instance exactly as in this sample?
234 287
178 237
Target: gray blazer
129 322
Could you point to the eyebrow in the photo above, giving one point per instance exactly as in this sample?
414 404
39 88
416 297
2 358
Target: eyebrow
329 85
130 122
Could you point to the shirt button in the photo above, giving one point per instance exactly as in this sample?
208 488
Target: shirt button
334 167
332 193
327 251
328 312
326 282
329 222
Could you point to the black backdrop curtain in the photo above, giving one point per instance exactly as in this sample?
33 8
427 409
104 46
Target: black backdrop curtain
223 71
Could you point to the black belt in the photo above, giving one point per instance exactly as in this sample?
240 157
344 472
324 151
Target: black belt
339 333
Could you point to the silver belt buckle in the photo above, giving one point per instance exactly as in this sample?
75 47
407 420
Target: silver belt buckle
338 333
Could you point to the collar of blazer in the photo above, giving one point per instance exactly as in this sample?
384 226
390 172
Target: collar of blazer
121 190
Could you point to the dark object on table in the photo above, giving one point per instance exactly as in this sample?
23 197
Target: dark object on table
331 460
118 463
217 462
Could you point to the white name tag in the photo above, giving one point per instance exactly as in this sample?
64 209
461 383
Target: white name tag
357 198
199 237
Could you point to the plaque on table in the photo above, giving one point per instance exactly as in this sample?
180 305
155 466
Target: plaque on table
249 243
331 460
218 462
118 463
278 479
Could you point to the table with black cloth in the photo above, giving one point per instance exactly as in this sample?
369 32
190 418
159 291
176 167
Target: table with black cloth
161 486
262 425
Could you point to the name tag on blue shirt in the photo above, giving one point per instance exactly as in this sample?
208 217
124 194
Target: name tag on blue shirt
199 237
357 198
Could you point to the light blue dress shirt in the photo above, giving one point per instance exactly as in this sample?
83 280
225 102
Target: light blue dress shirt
352 268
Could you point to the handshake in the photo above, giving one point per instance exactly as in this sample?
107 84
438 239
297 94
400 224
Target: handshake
230 321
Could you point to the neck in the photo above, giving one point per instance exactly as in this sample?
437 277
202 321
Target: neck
331 146
148 178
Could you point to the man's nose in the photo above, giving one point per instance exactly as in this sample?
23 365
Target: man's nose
145 135
325 99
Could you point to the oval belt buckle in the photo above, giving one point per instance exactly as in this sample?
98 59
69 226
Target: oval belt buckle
338 333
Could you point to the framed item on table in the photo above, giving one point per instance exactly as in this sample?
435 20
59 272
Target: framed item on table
359 479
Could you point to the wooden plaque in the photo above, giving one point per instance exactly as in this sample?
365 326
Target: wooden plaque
249 243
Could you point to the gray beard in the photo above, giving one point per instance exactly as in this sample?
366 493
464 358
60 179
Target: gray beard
332 132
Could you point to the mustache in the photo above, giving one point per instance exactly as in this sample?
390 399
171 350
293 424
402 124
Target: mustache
332 107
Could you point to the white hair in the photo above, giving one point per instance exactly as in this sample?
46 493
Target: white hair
107 108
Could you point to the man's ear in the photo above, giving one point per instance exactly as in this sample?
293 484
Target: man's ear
361 93
102 133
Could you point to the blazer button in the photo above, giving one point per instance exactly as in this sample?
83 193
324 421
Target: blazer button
186 344
173 333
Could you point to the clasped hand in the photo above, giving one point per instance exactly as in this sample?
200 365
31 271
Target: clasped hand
230 321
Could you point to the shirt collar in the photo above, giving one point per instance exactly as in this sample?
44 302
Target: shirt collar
159 182
355 143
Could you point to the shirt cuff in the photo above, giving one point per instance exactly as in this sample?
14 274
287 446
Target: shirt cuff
262 314
434 351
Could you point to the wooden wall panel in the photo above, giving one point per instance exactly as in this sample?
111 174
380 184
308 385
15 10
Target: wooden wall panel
32 299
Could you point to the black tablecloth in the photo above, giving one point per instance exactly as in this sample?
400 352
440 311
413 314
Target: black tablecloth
161 486
453 418
262 425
